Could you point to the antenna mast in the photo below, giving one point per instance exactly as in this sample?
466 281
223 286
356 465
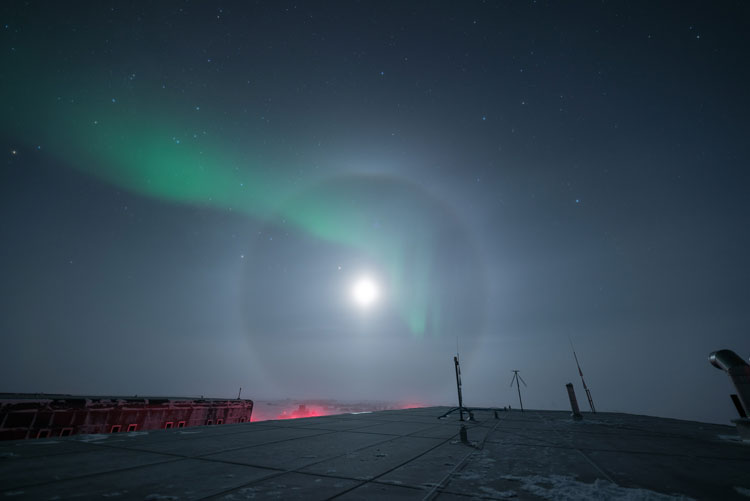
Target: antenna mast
585 388
516 379
460 408
458 386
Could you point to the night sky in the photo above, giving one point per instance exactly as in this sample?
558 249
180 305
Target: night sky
191 190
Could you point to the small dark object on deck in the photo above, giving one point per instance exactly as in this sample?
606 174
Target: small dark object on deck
576 414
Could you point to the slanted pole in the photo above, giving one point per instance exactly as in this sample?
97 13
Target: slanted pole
518 386
458 387
518 380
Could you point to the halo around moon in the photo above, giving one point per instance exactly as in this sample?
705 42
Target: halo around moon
348 248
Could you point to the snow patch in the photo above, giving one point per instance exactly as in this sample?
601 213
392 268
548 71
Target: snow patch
564 487
498 494
246 493
470 475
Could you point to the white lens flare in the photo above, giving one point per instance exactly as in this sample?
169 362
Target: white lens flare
365 292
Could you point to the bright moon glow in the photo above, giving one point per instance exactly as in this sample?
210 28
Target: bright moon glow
365 292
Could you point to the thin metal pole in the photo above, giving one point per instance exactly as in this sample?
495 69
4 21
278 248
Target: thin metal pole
458 387
580 372
518 386
518 380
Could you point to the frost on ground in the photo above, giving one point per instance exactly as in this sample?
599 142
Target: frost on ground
93 437
733 438
246 493
489 491
470 475
564 487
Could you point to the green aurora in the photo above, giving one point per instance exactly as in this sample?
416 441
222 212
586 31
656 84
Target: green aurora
151 146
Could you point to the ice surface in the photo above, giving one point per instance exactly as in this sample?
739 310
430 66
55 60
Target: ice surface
92 438
564 487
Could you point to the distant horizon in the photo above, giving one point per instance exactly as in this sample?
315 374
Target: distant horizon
292 402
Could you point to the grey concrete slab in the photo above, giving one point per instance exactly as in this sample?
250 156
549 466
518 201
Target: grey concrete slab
440 431
41 448
519 437
489 493
409 419
426 471
211 444
181 479
670 446
291 486
305 451
700 478
707 442
374 490
494 462
375 460
155 436
524 472
396 428
20 472
217 429
530 455
310 421
339 424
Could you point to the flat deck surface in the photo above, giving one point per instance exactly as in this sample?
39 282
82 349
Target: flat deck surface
403 454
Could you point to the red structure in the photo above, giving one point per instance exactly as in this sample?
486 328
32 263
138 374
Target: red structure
24 415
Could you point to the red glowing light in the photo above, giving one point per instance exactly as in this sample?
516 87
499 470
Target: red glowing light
304 411
295 410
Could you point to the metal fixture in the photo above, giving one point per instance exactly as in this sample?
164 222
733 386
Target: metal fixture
516 379
573 402
739 373
585 388
458 387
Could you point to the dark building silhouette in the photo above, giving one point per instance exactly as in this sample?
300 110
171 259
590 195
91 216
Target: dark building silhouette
24 415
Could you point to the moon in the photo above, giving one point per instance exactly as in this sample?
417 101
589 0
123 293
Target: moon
365 292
